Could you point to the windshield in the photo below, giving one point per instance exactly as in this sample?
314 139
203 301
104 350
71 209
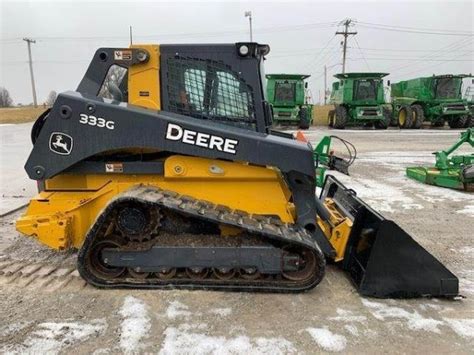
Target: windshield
284 91
365 90
210 90
448 88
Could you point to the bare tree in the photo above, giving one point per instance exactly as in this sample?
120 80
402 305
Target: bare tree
51 98
5 99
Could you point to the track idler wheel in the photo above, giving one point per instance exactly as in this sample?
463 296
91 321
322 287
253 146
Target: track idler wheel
306 264
100 266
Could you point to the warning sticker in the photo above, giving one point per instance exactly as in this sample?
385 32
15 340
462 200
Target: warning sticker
123 55
114 168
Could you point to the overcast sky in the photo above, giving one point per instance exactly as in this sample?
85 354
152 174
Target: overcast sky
393 36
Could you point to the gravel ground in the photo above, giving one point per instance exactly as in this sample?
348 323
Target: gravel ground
58 313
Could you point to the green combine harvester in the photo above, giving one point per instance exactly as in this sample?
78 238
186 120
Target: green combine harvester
358 99
455 172
436 99
287 94
469 96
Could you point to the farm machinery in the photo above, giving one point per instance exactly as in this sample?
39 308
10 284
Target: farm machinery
358 99
435 99
162 170
287 95
469 96
325 158
452 171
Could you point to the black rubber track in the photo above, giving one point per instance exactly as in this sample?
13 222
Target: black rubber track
270 229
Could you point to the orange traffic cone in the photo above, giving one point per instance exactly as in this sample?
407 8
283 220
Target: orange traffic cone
301 137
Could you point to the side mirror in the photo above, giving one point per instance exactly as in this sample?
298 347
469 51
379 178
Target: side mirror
388 82
306 85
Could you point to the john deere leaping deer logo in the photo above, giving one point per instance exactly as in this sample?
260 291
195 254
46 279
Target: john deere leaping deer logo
60 143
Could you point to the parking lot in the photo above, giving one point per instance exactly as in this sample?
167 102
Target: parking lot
46 307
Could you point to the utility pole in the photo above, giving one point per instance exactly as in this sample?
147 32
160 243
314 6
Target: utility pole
325 83
346 34
249 15
29 41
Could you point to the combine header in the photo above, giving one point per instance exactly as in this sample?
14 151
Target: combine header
452 171
169 176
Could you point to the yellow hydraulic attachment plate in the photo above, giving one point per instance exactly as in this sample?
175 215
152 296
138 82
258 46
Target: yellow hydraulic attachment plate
339 231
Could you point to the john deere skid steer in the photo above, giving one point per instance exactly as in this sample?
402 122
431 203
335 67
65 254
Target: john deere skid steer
162 170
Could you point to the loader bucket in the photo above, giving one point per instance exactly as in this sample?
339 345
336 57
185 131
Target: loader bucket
381 258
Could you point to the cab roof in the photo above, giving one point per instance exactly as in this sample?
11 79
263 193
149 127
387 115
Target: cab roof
287 76
451 76
360 75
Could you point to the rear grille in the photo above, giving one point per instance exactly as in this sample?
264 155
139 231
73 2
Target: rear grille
369 112
455 107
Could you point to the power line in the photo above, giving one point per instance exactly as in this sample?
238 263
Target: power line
443 51
415 31
407 50
446 51
270 29
413 28
345 34
427 67
328 56
362 54
410 59
318 56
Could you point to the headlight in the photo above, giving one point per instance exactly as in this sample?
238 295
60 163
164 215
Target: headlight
243 50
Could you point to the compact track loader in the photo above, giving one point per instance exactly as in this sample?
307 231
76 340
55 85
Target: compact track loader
162 170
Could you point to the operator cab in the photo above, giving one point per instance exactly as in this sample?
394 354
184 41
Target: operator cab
224 83
447 87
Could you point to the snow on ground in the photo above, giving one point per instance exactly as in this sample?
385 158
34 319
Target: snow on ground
183 341
466 285
415 320
467 250
397 191
352 329
51 337
468 209
223 312
12 328
348 316
135 324
177 309
328 340
462 327
397 159
381 196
